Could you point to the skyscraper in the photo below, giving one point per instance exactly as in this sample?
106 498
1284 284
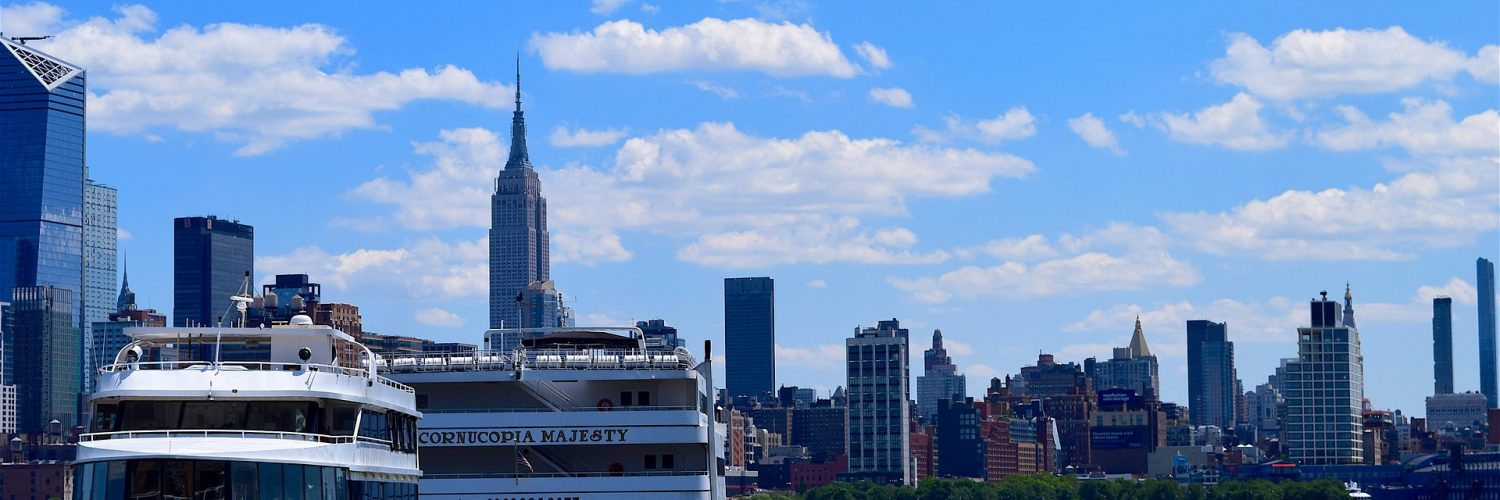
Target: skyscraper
1485 271
1442 345
42 175
518 226
210 258
1132 367
1211 374
940 380
878 369
749 336
47 357
101 236
1325 390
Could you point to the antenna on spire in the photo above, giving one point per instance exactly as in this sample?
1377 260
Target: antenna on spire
518 81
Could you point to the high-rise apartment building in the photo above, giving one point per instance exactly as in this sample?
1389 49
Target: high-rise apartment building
940 380
1211 374
210 259
101 237
48 348
7 357
1132 367
518 226
1442 345
659 335
542 306
1325 389
878 369
1485 277
750 336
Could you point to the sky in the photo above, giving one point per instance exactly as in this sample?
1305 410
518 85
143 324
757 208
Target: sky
1026 178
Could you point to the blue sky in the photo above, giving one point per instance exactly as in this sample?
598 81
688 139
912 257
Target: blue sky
1026 178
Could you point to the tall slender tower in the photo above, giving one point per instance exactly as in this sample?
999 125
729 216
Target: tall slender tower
518 226
1486 278
1211 374
750 336
1442 345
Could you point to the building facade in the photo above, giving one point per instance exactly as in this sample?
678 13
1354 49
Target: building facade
109 335
1325 389
1442 345
1485 278
1452 413
940 380
1211 374
47 345
660 336
750 336
101 237
210 259
1132 367
960 439
542 306
878 369
519 242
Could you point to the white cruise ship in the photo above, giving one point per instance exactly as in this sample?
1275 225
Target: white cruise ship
301 414
572 413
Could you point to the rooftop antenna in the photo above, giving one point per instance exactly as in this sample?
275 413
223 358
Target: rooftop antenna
23 39
239 302
518 81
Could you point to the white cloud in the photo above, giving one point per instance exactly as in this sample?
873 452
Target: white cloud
1439 209
895 97
1456 288
428 268
817 283
122 234
1423 127
715 89
874 56
1024 249
625 46
1273 320
1305 64
437 316
580 137
589 248
1015 123
957 347
650 8
780 91
1141 260
1236 124
258 87
1093 131
1134 119
816 240
818 356
607 7
453 192
31 18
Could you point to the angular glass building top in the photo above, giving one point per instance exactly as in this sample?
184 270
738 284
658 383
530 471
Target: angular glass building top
48 70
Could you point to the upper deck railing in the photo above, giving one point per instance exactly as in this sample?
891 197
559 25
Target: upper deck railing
539 359
241 366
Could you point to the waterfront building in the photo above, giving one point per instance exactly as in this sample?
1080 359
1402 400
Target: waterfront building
1325 389
519 241
750 337
210 259
47 347
1211 374
1485 277
1132 367
878 371
1442 345
940 380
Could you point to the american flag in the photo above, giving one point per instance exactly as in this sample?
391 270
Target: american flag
521 461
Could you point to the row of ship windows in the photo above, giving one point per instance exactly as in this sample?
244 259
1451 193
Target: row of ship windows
219 480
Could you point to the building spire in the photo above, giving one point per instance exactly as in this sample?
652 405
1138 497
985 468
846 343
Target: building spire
519 159
1348 306
126 300
1138 348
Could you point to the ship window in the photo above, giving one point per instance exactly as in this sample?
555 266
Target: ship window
340 484
372 424
625 398
176 479
270 481
244 481
650 462
84 489
643 398
106 417
342 418
145 479
312 482
208 481
330 484
282 416
668 461
208 415
149 415
116 478
291 484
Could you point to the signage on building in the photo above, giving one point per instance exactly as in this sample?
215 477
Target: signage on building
488 437
1117 438
1113 397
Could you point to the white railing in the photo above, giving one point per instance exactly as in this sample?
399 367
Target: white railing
572 409
215 433
497 475
233 366
539 359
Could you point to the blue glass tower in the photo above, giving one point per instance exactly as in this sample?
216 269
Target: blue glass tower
1211 374
1442 345
749 336
1486 278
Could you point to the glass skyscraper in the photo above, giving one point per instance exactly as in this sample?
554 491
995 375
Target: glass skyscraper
519 242
210 258
1442 345
1485 271
48 347
1211 374
749 336
1325 390
101 238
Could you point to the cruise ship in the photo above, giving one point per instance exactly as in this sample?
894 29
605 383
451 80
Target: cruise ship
301 413
567 413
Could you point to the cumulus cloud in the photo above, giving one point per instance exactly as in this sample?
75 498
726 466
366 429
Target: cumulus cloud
624 46
1015 123
895 97
1085 264
815 239
589 248
1428 209
584 138
1024 249
258 87
817 283
1422 127
1305 63
453 192
1093 131
437 316
1456 288
123 235
1236 124
429 268
607 7
818 356
874 56
1272 320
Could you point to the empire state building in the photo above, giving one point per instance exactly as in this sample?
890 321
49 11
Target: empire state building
518 226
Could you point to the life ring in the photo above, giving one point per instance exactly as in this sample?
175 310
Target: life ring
605 404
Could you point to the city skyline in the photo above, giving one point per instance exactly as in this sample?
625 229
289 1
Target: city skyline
1199 199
